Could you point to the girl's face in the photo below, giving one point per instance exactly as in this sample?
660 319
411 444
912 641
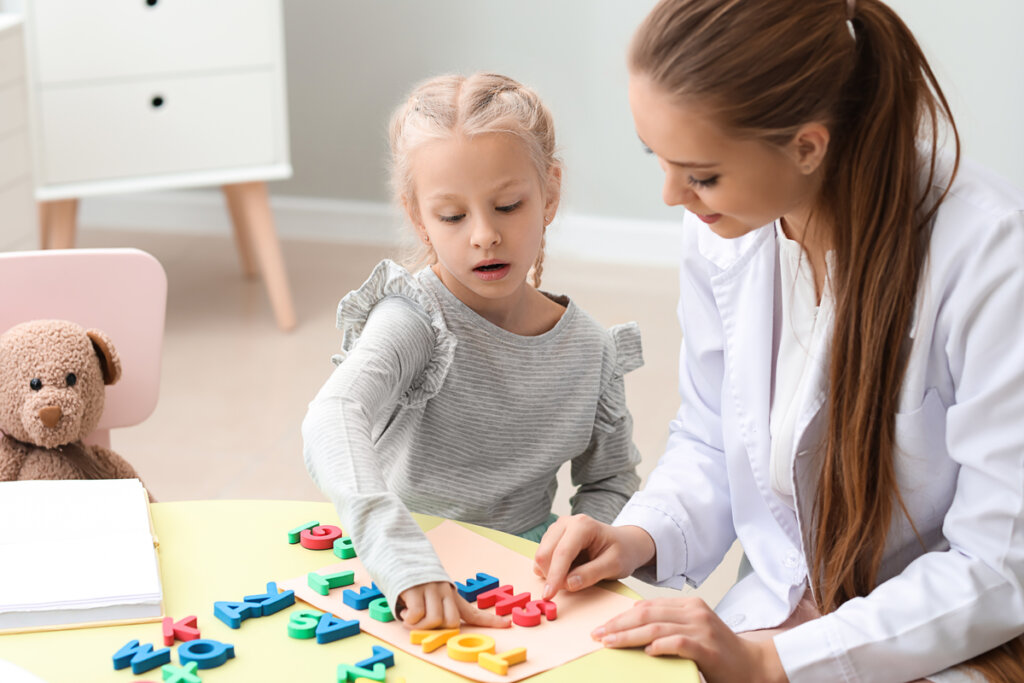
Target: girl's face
482 206
733 185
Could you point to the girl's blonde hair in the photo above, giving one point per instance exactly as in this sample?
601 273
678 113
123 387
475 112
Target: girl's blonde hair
446 106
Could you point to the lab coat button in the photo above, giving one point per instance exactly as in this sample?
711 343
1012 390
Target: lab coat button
792 560
735 620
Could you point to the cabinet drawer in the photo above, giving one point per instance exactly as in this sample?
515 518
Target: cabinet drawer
18 216
13 108
14 157
76 40
202 123
12 59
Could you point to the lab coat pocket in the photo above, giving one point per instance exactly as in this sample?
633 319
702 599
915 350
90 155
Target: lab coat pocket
924 471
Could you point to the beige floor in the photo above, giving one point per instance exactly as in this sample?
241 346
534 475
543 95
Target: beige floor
234 389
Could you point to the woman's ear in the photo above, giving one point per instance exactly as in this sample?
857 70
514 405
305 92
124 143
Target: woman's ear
808 147
552 193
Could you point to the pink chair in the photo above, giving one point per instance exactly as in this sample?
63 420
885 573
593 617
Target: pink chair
120 291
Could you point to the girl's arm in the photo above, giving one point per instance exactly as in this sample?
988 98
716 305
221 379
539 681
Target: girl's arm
605 474
392 351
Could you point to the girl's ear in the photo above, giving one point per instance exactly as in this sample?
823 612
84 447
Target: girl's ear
552 193
413 214
808 147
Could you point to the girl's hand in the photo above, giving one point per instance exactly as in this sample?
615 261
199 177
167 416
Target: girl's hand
578 551
687 627
438 605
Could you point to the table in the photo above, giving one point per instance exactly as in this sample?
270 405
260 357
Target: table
224 550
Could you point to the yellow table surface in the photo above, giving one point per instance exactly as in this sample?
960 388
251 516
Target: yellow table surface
225 550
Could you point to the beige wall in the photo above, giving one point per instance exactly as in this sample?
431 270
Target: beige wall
350 62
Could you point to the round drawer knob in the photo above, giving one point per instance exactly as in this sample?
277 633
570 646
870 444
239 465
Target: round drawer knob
157 101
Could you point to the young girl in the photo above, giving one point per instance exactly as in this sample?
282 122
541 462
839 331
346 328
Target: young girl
852 373
462 389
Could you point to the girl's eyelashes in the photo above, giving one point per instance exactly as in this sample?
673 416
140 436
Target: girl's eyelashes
710 181
509 208
647 150
455 218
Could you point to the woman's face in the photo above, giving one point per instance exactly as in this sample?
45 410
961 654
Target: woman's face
734 185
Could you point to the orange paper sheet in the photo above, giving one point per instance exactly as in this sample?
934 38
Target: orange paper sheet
463 554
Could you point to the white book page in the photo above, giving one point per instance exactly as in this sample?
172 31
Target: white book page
75 544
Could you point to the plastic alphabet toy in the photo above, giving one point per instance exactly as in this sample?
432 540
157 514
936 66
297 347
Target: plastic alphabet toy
529 614
302 624
186 628
344 548
467 647
205 653
381 610
372 668
363 598
331 628
294 534
233 613
500 662
474 587
348 672
323 583
381 655
319 537
502 599
177 674
140 657
431 640
272 601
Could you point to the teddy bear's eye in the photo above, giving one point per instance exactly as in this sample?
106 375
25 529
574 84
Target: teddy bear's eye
35 384
71 380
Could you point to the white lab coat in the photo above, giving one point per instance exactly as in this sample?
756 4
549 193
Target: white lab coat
960 462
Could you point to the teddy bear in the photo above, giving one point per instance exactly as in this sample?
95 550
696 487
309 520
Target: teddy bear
53 375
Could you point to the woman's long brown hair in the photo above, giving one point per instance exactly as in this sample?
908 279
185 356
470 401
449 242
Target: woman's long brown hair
763 69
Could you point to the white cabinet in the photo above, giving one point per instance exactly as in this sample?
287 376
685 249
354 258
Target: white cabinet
17 208
132 95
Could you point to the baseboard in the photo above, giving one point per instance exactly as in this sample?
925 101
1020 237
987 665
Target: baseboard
588 238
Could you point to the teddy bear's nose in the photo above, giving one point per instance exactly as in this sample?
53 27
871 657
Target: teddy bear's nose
50 415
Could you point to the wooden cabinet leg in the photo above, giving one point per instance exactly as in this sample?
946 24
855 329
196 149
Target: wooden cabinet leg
57 223
243 241
252 212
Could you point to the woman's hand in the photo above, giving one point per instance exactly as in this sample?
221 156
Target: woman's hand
578 551
687 627
438 605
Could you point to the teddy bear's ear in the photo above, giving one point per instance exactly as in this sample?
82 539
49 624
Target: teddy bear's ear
109 362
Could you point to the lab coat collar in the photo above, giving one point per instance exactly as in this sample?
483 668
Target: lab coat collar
744 292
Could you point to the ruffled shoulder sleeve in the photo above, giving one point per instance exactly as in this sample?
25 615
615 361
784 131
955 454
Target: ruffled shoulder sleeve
626 355
389 279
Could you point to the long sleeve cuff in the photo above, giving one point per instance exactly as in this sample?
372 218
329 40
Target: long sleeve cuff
669 543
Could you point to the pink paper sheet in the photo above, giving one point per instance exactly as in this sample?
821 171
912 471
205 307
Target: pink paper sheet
463 554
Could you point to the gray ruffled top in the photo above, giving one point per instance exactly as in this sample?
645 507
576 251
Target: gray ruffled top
434 409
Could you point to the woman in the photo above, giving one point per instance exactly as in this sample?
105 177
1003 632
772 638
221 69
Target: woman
852 379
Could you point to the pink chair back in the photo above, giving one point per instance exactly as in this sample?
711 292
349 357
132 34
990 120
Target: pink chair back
120 291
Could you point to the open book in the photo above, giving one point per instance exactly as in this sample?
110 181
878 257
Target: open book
73 553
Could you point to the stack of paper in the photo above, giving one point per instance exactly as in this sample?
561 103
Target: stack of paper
76 552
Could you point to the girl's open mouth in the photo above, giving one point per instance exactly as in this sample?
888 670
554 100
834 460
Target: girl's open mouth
491 270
